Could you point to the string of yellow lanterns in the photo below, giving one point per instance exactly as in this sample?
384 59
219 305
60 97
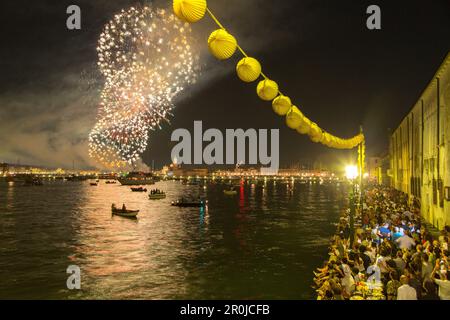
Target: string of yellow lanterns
223 45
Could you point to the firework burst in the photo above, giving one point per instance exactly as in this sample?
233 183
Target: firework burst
145 57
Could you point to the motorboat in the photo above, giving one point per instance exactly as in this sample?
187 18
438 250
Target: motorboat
138 189
33 182
189 204
157 195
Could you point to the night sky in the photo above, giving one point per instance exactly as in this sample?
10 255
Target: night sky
339 73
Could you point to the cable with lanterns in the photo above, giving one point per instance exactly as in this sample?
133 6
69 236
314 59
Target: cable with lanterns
223 45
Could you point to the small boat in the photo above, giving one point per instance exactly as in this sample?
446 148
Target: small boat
157 196
138 189
125 213
33 182
110 182
230 192
94 184
190 204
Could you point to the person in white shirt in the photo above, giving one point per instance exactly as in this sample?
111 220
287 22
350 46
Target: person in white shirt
443 283
406 292
427 267
405 242
371 252
347 282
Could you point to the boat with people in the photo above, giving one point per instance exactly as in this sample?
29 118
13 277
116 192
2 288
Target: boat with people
110 182
138 189
156 194
94 184
184 203
123 212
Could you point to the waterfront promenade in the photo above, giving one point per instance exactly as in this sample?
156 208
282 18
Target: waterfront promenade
394 255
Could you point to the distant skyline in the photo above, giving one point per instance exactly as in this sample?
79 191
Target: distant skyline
317 164
339 73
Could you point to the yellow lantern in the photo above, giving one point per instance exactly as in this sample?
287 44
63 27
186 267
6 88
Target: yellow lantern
305 126
281 105
190 10
315 129
267 90
294 118
315 139
248 69
326 139
222 45
342 144
315 133
333 142
353 142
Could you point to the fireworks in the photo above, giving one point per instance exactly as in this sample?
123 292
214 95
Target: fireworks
145 57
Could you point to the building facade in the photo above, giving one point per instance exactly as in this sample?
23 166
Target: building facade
378 169
190 172
420 150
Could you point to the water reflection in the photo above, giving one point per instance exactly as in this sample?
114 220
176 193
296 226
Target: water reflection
10 195
204 217
262 243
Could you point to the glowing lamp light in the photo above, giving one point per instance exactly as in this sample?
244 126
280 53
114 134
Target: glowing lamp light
351 172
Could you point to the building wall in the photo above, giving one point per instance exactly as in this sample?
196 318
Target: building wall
379 170
373 165
419 149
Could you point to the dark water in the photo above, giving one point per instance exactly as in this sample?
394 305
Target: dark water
260 244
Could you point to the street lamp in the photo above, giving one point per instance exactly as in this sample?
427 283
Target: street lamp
351 172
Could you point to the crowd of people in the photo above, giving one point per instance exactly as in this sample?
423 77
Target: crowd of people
391 254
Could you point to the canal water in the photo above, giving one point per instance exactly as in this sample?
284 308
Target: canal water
262 243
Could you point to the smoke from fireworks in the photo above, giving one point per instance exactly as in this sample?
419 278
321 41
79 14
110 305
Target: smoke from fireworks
145 57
